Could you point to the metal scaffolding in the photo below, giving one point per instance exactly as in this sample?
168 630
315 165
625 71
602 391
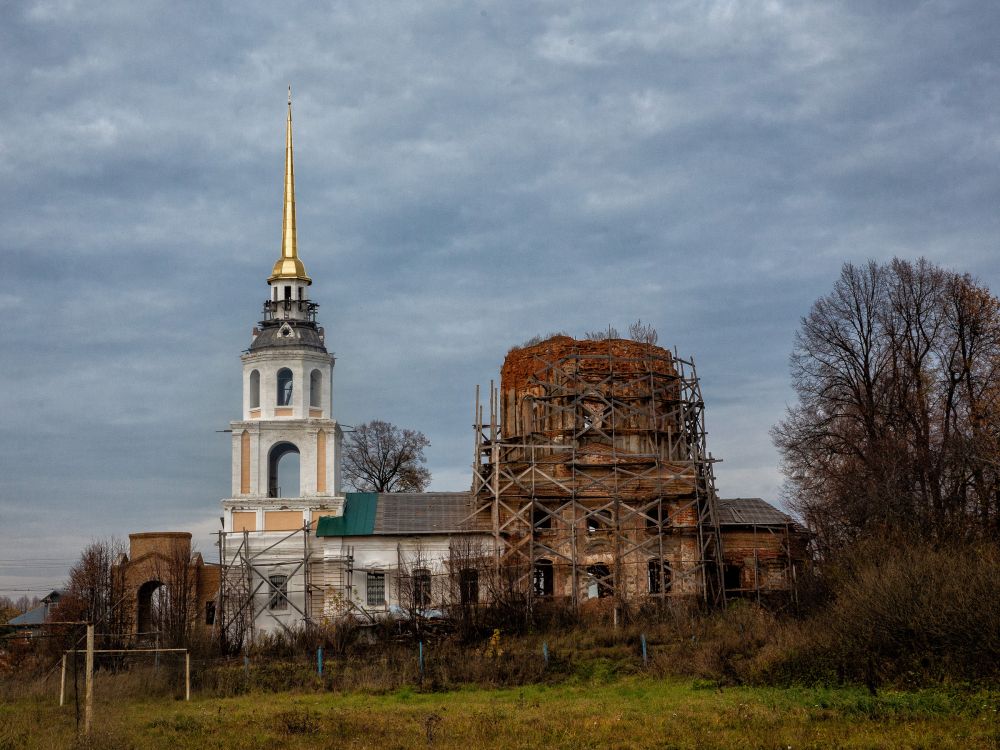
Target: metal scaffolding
593 468
261 574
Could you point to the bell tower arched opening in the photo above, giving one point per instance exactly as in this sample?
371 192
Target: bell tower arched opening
283 470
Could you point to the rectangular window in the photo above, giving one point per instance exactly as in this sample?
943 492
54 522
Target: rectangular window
279 592
659 576
468 583
210 613
421 588
375 585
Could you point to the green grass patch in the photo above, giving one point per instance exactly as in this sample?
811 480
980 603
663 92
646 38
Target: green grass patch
597 709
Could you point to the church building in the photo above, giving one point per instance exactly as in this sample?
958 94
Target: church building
592 486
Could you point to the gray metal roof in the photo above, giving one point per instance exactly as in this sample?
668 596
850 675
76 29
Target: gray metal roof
426 513
39 614
753 511
304 333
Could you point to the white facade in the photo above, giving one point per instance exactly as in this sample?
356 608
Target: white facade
270 550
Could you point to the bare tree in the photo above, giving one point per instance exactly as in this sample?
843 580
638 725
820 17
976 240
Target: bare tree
380 457
96 592
602 335
644 333
897 425
175 606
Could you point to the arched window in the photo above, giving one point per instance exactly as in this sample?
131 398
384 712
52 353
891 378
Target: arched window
542 579
283 471
316 388
539 518
601 583
600 520
284 387
255 390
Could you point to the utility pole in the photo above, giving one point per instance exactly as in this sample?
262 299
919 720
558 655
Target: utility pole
88 712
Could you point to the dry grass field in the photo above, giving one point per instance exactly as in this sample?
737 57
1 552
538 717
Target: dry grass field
601 712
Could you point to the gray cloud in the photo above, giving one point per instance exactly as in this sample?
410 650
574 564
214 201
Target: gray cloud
468 176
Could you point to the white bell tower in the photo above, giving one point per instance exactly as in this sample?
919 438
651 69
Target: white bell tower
287 400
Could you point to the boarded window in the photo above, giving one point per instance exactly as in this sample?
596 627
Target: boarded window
279 592
375 585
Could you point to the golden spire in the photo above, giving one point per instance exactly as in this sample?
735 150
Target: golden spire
288 265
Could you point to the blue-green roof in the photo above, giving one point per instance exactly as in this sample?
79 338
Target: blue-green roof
358 518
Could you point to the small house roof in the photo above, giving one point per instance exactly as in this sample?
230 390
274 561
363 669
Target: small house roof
37 615
754 511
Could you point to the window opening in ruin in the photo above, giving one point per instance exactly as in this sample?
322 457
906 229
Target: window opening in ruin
255 390
656 567
210 613
152 606
315 388
375 589
279 592
284 387
283 471
600 584
654 517
599 520
421 588
542 578
540 519
468 584
732 577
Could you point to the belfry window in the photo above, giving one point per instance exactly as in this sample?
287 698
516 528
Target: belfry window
255 390
316 388
288 292
284 387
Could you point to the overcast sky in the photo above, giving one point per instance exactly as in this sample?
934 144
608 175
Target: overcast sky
468 175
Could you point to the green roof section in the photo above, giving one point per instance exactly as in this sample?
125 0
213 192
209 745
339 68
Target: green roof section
358 518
